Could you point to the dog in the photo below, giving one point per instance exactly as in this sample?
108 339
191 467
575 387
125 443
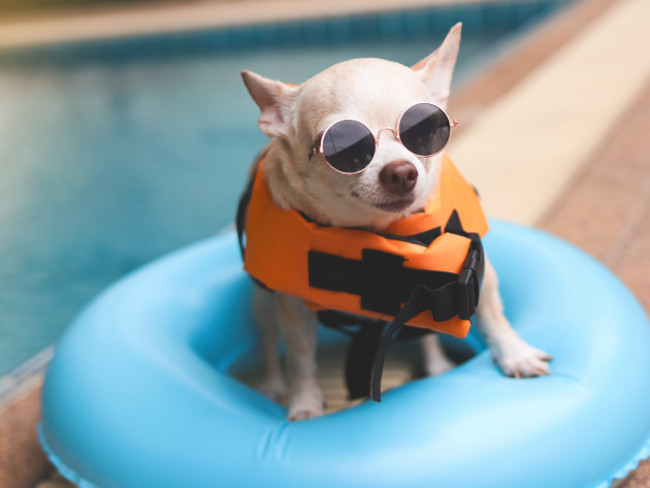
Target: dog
394 184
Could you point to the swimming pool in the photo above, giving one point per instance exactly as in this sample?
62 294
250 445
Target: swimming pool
115 152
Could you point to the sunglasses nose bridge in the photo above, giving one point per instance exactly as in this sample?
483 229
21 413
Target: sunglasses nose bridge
392 131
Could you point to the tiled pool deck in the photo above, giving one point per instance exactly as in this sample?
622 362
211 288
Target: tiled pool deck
585 76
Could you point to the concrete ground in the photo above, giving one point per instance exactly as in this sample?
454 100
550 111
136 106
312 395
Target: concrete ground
572 101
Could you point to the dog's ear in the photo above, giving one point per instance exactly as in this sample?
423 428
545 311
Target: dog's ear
437 69
274 99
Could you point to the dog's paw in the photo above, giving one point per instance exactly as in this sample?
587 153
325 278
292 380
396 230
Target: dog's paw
307 405
304 414
275 389
518 359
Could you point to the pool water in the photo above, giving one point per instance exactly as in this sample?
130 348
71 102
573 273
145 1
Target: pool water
112 154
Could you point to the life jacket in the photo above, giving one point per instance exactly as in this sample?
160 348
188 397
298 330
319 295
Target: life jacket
423 270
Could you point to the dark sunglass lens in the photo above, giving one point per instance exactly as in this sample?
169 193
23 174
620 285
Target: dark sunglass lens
424 129
348 146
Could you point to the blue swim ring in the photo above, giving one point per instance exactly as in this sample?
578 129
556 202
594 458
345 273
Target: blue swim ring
140 395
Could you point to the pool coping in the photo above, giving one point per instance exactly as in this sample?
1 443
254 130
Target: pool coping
24 377
147 19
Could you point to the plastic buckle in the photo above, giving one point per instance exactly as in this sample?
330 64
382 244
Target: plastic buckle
467 285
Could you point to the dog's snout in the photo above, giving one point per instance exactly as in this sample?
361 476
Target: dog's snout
399 177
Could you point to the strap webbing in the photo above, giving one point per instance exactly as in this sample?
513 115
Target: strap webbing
366 335
240 218
360 359
381 280
418 302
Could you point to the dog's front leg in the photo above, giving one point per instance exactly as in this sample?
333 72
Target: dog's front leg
266 317
435 360
299 325
514 356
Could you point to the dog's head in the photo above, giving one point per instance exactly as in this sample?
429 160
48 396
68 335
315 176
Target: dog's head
375 92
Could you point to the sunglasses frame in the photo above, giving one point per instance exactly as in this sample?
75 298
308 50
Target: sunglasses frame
319 148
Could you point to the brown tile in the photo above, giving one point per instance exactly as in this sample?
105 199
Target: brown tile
592 216
603 209
640 478
632 260
22 462
55 482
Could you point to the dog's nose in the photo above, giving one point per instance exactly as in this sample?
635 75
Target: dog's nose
399 177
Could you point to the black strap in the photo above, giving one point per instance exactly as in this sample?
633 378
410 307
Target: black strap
383 283
366 335
360 360
423 238
380 279
242 210
417 303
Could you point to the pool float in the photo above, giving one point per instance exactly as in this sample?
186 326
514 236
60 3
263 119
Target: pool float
140 393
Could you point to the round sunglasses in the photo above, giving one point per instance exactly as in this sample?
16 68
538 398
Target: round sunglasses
348 145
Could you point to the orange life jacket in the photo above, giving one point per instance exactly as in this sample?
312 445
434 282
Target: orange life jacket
362 272
424 270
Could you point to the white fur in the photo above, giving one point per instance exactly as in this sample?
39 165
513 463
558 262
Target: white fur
376 92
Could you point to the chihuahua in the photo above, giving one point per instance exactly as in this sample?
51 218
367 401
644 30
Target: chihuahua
395 184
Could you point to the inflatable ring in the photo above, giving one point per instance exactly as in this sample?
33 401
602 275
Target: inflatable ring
140 394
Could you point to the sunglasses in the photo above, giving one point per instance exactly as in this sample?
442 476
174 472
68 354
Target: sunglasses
348 145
